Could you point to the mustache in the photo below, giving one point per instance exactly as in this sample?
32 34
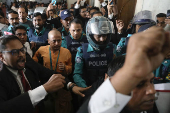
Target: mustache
37 27
16 23
21 59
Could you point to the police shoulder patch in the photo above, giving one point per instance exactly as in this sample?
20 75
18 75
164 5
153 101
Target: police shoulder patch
78 59
79 49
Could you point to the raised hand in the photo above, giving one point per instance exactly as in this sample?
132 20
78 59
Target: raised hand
55 83
145 52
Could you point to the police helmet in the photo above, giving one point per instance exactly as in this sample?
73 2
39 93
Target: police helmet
40 9
143 17
99 26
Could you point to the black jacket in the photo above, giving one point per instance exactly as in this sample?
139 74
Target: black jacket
11 99
89 93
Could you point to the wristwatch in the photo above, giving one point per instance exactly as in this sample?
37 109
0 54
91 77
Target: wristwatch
71 87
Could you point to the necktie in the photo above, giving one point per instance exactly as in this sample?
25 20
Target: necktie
26 87
25 84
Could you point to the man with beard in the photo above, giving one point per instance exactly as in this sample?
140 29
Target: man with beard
23 82
20 78
65 20
92 58
23 13
13 20
38 35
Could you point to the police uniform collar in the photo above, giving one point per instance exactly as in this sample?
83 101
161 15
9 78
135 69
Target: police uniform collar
63 29
90 48
65 32
41 32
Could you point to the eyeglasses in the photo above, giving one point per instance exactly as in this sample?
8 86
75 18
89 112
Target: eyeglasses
21 34
15 52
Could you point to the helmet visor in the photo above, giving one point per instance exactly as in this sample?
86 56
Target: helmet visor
101 27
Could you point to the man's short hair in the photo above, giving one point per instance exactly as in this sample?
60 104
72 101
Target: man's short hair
52 10
12 11
94 8
59 3
96 12
44 16
26 10
115 65
1 13
161 15
37 14
19 27
5 40
76 21
63 8
82 7
71 8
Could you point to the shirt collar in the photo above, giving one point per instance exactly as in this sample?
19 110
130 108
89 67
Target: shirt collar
41 32
10 28
82 34
129 35
65 32
63 29
13 71
90 48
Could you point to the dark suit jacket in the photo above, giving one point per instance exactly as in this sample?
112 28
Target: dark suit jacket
11 99
89 93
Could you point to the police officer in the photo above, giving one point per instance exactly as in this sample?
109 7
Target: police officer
76 38
92 58
140 19
66 17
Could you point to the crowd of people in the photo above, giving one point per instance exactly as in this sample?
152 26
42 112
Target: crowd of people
81 59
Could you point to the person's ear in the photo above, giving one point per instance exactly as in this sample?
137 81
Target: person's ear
48 41
7 20
61 20
1 56
106 76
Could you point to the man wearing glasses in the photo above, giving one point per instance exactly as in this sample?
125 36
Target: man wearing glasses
21 32
23 82
21 77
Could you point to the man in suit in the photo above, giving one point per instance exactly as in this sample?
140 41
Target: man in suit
21 79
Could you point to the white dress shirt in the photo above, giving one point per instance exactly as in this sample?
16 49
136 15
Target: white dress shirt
29 51
107 100
36 95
